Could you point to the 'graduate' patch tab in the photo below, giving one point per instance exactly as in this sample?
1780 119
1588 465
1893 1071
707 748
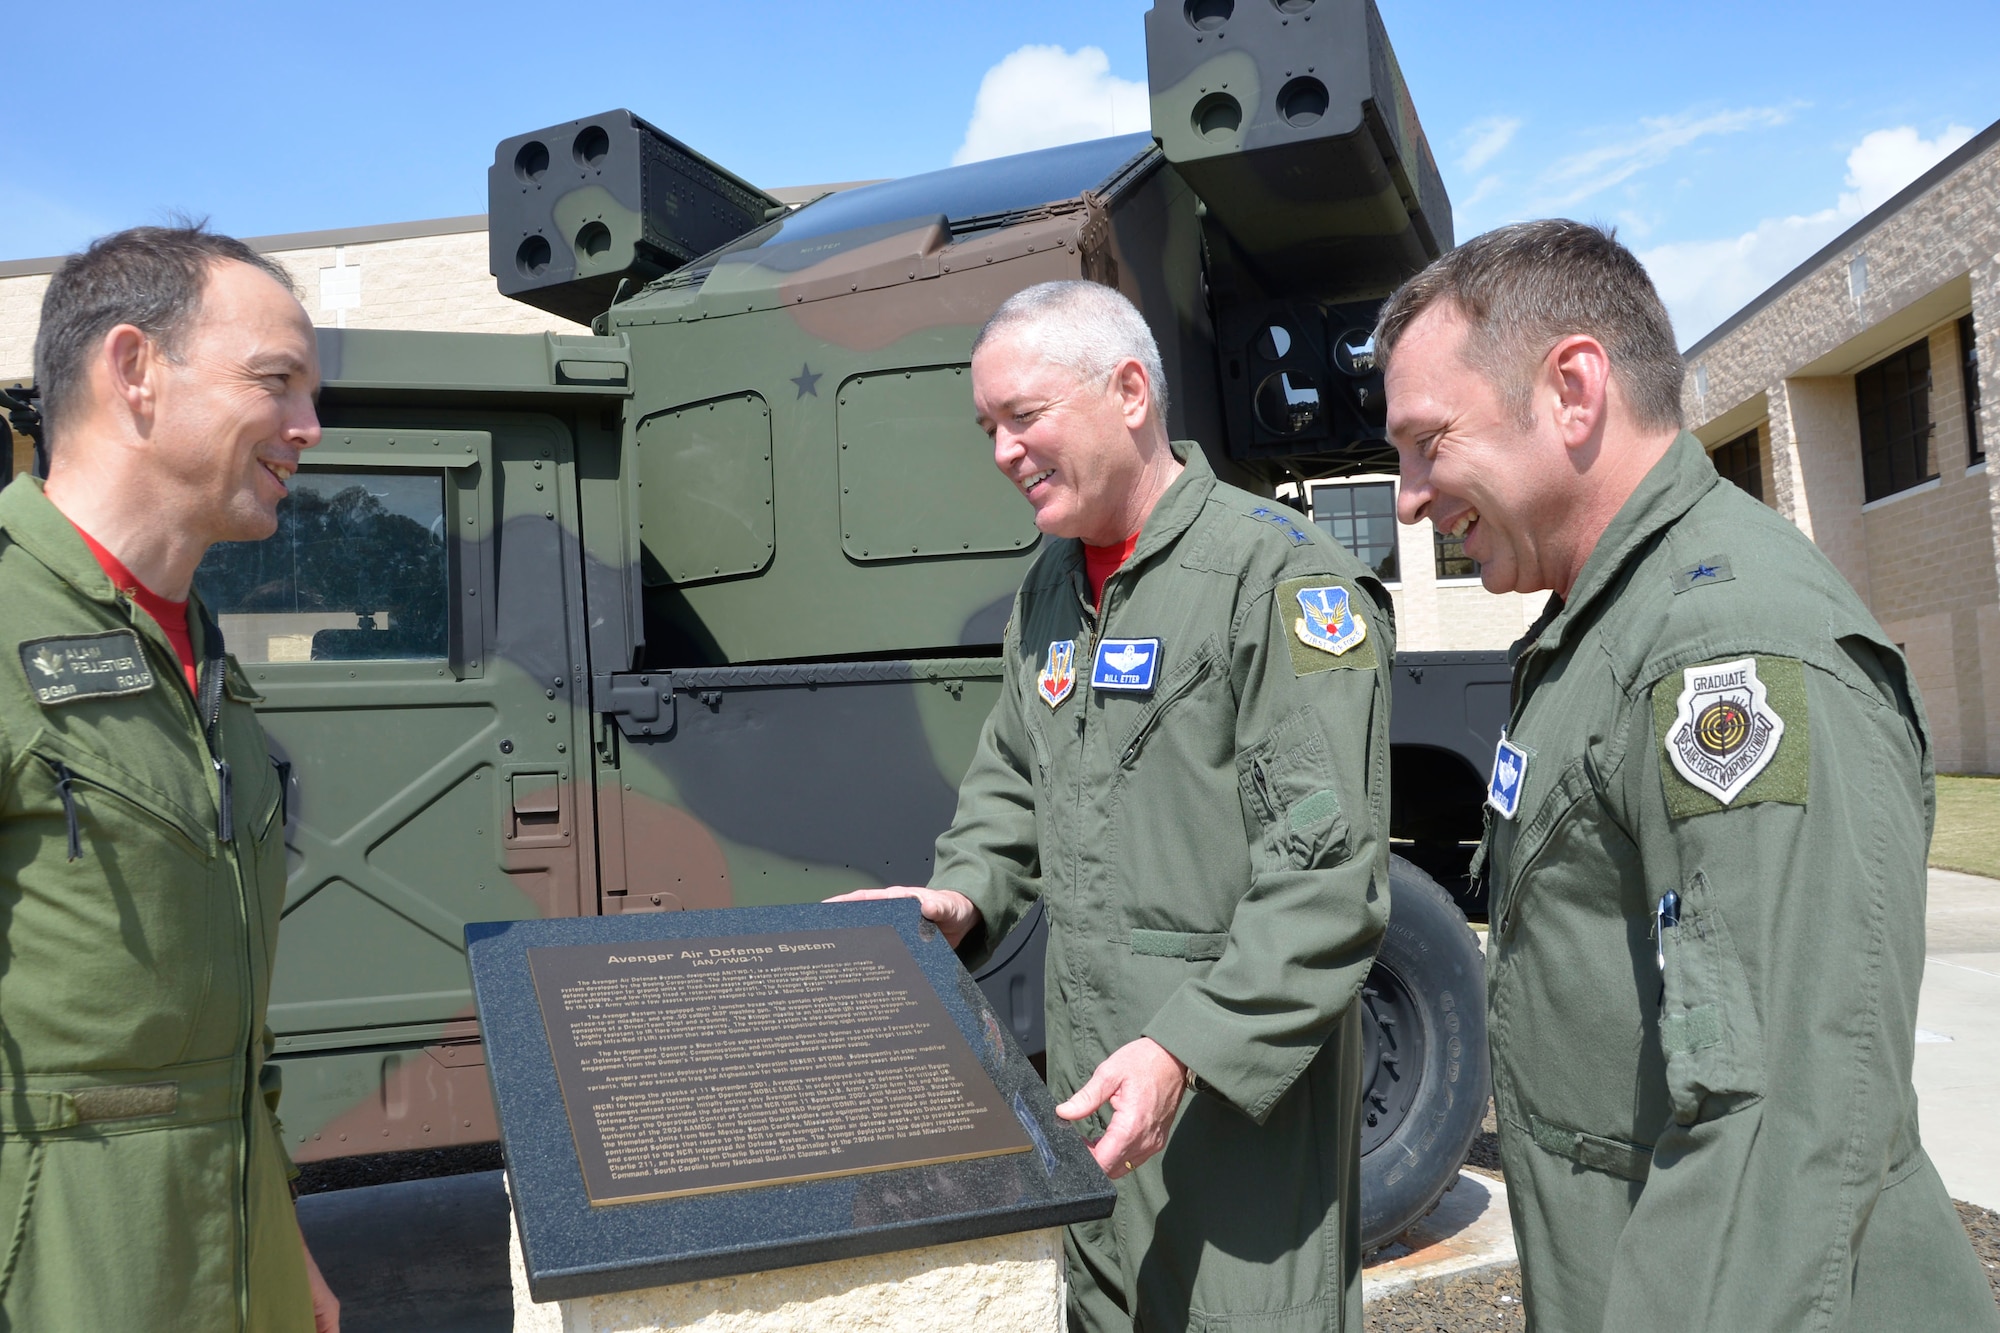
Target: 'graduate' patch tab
69 669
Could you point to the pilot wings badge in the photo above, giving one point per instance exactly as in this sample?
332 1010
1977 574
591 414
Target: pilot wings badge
1330 623
1058 678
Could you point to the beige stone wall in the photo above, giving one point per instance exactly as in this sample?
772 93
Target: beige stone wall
436 282
20 316
1927 560
1012 1283
1448 614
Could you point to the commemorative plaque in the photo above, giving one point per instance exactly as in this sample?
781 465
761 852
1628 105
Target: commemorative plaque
721 1063
691 1095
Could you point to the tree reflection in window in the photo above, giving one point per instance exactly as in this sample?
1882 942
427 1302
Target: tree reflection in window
357 570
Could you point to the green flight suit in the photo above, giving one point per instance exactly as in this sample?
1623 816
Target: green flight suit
1728 1139
1212 854
142 1180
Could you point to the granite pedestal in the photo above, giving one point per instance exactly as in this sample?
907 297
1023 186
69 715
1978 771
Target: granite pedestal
879 1232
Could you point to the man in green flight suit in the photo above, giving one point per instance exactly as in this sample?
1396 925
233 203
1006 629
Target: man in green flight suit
142 861
1188 766
1707 827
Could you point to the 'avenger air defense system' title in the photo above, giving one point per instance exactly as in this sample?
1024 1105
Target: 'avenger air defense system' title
701 605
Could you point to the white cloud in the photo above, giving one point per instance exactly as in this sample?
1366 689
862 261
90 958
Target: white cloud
1572 179
1705 282
1485 139
1041 96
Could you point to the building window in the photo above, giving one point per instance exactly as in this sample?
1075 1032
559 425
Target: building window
1737 461
1361 516
1968 367
1893 398
1452 561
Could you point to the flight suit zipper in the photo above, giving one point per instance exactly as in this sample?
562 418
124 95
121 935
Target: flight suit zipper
65 781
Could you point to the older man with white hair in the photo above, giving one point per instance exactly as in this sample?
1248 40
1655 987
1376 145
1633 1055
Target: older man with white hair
1189 766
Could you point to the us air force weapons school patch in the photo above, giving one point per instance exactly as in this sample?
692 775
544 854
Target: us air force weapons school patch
68 669
1733 733
1058 677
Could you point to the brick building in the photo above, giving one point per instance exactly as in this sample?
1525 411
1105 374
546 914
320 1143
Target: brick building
1856 396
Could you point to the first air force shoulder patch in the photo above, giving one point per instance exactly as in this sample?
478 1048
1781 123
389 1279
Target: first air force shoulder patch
1732 733
1328 628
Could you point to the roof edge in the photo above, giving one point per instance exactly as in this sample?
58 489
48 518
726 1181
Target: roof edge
297 240
1922 185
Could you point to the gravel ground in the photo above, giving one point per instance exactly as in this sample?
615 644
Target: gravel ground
1492 1300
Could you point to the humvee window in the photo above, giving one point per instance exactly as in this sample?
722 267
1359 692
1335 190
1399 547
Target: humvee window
992 188
356 571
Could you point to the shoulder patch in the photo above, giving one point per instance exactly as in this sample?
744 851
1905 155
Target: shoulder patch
69 668
1703 573
1325 623
1733 733
1284 522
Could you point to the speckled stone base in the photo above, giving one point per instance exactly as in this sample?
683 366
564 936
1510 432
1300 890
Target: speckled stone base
999 1284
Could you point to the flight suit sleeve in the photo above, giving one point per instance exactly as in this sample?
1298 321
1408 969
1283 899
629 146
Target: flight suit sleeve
1787 995
991 853
1312 738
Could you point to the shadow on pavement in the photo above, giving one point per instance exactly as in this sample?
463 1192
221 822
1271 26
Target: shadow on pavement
419 1254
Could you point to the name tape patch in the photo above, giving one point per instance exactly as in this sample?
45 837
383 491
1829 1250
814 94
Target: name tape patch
1724 731
1510 775
1330 623
1058 677
67 669
1126 664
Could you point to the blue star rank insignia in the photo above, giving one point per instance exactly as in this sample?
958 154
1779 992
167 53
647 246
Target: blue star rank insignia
1330 623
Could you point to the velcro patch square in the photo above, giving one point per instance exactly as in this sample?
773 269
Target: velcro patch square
1325 623
1733 733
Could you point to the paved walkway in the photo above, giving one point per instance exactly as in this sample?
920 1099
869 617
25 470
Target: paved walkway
1958 1036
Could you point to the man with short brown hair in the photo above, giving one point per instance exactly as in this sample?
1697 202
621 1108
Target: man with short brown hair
142 860
1706 831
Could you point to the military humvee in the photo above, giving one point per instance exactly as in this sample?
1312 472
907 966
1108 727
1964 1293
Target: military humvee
701 607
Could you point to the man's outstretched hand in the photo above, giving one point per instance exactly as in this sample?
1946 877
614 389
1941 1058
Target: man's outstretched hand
950 911
1143 1082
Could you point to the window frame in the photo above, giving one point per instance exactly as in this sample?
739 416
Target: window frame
1391 484
1968 371
1751 441
1873 405
462 459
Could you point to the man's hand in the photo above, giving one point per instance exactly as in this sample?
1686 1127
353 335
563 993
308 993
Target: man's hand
326 1306
1143 1082
950 911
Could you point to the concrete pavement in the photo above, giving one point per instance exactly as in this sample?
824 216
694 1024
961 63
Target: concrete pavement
1958 1035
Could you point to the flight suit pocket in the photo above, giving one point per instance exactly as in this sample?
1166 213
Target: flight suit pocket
1287 784
1710 1033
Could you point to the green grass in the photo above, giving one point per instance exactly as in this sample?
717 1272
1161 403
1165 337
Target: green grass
1968 825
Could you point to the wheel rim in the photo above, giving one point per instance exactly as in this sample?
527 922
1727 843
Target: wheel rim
1392 1055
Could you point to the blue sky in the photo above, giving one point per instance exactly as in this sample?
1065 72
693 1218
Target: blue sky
1726 141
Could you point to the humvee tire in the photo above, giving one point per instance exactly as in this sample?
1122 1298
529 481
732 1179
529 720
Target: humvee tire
1424 1075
